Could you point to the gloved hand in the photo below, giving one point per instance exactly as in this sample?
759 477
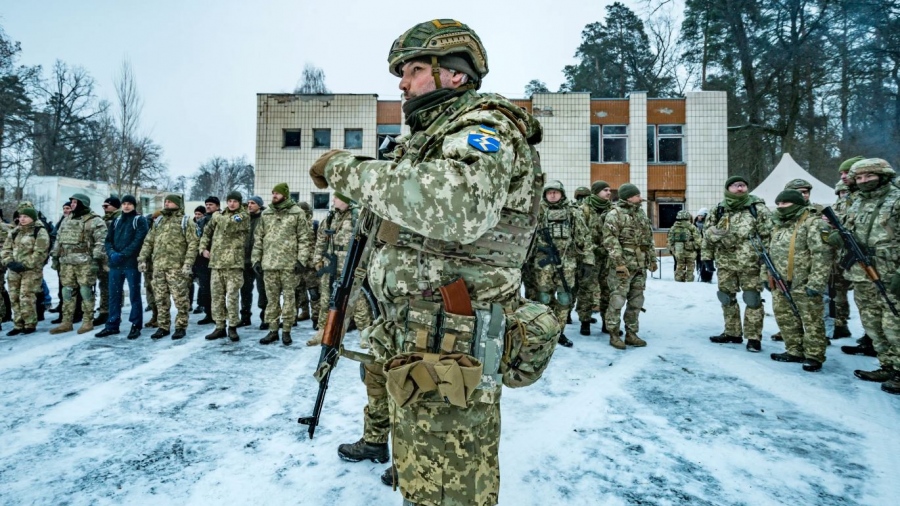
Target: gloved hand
653 266
894 285
257 268
299 267
317 171
708 265
622 271
187 270
813 292
834 239
142 266
16 266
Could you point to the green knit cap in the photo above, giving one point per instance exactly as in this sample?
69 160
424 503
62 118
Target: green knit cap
792 196
599 186
734 179
628 190
30 212
234 195
846 164
175 199
283 189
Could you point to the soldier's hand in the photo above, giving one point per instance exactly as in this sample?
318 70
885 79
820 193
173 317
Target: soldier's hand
16 266
834 239
813 292
187 270
205 253
257 268
894 285
622 271
142 266
653 267
319 266
317 171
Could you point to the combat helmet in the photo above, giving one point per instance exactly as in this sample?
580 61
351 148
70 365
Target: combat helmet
83 199
796 184
840 187
438 38
554 185
876 166
582 192
682 215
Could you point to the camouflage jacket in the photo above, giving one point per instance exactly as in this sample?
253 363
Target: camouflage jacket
80 240
109 218
874 218
471 167
224 237
726 237
171 242
341 223
628 237
568 232
29 245
251 237
282 238
685 233
841 205
799 251
593 219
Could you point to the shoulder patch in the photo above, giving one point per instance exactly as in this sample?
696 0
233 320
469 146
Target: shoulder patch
484 139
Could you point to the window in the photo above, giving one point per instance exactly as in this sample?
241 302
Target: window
321 138
320 200
353 138
295 196
383 132
291 138
667 143
609 143
666 212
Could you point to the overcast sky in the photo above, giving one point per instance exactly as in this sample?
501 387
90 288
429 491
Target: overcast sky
200 63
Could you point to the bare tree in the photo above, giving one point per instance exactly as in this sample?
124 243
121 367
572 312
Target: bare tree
312 82
219 176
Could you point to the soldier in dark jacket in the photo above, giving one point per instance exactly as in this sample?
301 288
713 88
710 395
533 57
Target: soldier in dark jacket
255 207
201 265
123 243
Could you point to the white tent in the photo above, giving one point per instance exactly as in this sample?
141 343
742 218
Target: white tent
786 170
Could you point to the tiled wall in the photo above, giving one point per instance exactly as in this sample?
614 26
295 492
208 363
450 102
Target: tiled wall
637 140
566 147
706 148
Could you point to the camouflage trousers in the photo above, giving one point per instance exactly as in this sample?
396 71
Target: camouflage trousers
730 283
588 293
551 291
879 323
225 291
308 291
362 314
23 288
103 290
81 277
841 301
445 455
376 414
280 283
148 289
806 337
529 281
171 283
627 292
684 267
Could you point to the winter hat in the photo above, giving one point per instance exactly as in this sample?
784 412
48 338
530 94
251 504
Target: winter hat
234 195
628 190
703 211
792 196
846 164
129 199
283 189
735 179
175 199
67 204
214 200
30 212
343 198
599 186
257 200
114 202
796 184
200 209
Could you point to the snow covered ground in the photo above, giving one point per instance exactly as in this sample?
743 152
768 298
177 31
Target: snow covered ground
110 421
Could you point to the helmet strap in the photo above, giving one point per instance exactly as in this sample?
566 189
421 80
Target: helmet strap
436 72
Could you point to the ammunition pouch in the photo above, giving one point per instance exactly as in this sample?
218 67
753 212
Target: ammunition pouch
453 378
531 335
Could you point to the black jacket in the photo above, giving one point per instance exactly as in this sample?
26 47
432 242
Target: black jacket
125 237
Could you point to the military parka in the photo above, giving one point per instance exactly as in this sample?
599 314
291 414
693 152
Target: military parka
224 237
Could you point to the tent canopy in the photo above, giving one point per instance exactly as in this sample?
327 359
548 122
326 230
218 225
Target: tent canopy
786 170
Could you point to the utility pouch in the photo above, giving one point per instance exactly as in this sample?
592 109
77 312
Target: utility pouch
422 326
453 378
529 341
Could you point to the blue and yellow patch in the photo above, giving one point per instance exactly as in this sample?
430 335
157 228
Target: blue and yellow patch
484 139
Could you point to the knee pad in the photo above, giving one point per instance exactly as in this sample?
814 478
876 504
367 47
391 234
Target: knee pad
617 302
564 298
637 302
727 299
752 298
86 292
67 292
543 297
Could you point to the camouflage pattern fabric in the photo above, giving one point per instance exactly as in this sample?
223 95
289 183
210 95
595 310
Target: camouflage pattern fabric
377 413
29 245
594 291
174 284
308 280
333 237
684 243
226 287
103 277
224 236
280 282
804 259
79 250
81 277
628 239
282 238
841 286
452 180
726 239
148 288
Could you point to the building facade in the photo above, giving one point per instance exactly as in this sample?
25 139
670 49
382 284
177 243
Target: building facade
674 150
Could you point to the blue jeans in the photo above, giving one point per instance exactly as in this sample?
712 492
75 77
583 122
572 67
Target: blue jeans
117 276
45 294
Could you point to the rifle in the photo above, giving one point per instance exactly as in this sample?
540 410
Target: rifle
774 276
553 257
336 322
856 255
330 266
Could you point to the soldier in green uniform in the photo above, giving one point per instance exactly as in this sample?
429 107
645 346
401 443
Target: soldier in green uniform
24 254
308 283
628 239
223 244
466 172
79 253
840 286
684 243
169 250
727 241
281 251
593 291
803 258
255 209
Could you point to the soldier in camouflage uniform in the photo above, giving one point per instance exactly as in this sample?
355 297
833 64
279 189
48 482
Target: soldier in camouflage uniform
684 243
223 244
281 251
255 209
593 291
872 218
581 193
573 242
467 167
726 241
111 209
170 248
331 248
308 283
847 193
79 251
24 254
803 259
628 239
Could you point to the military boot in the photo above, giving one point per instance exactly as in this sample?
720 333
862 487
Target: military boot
569 319
58 319
786 357
632 339
179 334
863 346
233 335
361 450
315 323
304 314
616 342
892 386
878 375
101 319
812 365
585 328
777 337
387 477
724 338
754 345
159 334
218 333
841 331
245 321
286 338
86 326
271 337
316 339
565 341
152 322
603 326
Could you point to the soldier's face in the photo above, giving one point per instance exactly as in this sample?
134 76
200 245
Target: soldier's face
127 207
170 205
67 209
553 196
253 207
198 215
233 205
417 79
24 220
865 178
845 178
605 193
73 204
804 192
339 204
211 207
738 187
277 197
635 199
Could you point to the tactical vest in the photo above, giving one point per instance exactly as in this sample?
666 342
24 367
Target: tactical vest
887 252
559 221
71 237
506 244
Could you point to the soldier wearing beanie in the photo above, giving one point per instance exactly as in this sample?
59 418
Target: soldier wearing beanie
684 243
255 208
628 238
725 242
308 295
24 254
593 290
803 259
223 245
201 266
